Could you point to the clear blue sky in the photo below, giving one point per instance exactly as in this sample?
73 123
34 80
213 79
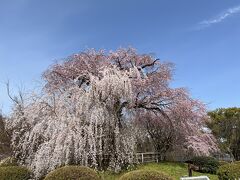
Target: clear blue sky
201 37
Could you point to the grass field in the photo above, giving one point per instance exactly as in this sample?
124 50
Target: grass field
175 170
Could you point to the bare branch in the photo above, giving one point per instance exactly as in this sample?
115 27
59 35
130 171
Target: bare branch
150 64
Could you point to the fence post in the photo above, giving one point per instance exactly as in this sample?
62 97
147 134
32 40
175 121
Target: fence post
142 158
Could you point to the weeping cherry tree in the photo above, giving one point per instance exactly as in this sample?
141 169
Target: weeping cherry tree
95 105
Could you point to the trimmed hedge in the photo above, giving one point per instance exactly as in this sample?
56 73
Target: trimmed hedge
206 164
73 173
14 173
9 161
229 171
145 175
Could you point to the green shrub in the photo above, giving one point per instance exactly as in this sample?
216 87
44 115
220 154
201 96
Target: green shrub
145 175
229 171
206 164
9 161
237 162
221 163
73 173
14 173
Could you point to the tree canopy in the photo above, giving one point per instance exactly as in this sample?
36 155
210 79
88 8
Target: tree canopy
225 125
5 149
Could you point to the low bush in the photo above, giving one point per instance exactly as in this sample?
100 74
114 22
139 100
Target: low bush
9 161
14 173
206 164
73 173
145 175
221 163
229 171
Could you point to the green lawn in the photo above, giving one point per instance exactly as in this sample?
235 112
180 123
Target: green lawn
175 170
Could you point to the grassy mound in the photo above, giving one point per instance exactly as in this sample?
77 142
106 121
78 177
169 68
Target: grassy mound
73 173
145 175
229 171
14 173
